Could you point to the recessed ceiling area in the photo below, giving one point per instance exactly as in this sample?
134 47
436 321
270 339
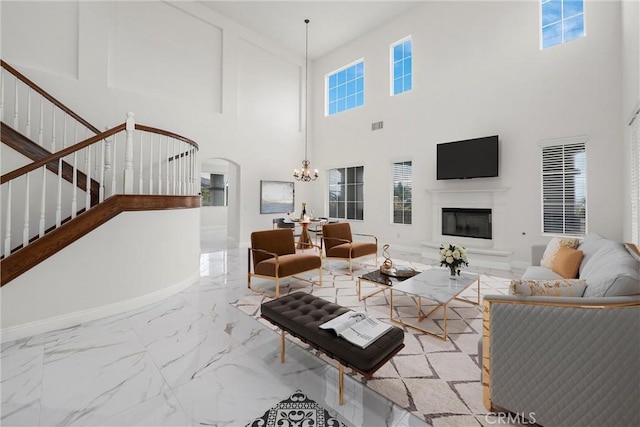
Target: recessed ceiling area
332 23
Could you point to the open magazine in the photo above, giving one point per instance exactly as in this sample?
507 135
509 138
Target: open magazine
357 328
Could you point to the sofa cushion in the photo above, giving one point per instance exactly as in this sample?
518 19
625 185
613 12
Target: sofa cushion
536 272
288 265
589 245
611 271
567 262
552 249
558 287
357 250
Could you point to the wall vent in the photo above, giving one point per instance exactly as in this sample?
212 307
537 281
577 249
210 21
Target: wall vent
376 125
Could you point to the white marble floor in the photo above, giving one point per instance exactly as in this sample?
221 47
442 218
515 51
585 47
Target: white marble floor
191 359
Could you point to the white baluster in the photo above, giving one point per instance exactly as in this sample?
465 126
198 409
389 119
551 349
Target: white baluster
107 154
168 176
179 167
42 201
59 195
160 138
41 130
128 155
173 169
28 129
87 196
151 164
2 75
15 109
25 229
64 131
53 130
113 171
140 183
74 197
102 168
7 234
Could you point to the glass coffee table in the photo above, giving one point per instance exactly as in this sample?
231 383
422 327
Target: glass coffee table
434 285
381 280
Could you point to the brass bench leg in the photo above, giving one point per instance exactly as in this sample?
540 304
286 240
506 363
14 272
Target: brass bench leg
341 384
282 346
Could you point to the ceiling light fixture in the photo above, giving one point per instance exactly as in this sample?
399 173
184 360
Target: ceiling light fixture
305 175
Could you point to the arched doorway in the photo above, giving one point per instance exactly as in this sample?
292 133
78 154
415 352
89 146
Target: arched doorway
219 219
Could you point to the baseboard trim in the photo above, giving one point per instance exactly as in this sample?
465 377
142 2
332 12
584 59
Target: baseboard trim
72 319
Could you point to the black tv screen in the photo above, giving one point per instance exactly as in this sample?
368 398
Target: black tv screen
471 158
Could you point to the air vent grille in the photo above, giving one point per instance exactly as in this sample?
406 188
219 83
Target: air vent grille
376 125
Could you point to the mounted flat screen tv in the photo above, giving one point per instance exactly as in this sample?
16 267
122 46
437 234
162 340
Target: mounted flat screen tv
470 158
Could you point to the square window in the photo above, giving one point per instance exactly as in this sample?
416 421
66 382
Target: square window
343 87
552 35
573 28
551 12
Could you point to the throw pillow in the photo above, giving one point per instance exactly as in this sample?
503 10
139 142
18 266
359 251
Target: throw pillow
558 287
567 262
552 249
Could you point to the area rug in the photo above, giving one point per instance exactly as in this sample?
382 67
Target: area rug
296 410
438 381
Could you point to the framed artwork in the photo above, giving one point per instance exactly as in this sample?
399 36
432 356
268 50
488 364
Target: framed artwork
276 197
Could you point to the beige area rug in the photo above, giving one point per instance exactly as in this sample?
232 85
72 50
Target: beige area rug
437 381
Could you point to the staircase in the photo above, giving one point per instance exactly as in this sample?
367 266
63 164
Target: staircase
67 178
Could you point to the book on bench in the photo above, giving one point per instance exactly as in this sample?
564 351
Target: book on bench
357 328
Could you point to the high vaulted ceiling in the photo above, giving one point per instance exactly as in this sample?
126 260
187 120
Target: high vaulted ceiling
332 23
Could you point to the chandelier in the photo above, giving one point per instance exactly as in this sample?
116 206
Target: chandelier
305 175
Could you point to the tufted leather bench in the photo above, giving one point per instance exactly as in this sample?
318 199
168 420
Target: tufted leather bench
301 314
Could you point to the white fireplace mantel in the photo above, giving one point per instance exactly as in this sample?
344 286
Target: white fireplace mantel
483 198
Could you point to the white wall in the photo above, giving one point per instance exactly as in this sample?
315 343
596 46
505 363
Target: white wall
478 71
630 91
180 67
128 262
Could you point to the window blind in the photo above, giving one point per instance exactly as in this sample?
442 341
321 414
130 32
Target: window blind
402 188
564 188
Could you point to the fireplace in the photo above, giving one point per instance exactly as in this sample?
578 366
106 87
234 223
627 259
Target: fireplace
464 222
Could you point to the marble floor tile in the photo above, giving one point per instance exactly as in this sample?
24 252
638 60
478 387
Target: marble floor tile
196 359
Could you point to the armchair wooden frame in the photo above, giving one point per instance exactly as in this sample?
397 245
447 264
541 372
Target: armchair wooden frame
330 242
278 263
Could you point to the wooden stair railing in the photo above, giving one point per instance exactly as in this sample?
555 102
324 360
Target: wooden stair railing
61 116
16 264
25 146
127 159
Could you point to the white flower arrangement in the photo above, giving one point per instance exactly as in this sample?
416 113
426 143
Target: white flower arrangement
453 257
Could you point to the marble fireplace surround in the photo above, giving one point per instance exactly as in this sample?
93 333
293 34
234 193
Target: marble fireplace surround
488 252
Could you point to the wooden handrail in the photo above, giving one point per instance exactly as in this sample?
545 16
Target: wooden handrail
50 98
166 133
62 153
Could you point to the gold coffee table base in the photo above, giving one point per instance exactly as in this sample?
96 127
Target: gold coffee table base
422 315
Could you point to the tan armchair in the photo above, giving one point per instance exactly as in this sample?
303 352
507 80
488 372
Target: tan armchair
273 256
339 243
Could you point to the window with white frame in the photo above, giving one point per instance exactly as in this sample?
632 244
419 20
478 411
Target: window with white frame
564 187
401 66
634 183
345 88
401 198
346 193
561 21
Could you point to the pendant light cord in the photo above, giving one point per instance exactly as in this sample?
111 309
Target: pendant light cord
306 87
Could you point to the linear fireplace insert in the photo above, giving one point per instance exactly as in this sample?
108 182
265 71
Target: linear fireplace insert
462 222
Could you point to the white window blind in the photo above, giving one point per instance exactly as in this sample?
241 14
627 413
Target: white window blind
634 126
401 198
564 187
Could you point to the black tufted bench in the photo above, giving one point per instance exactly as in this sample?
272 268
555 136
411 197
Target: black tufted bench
301 314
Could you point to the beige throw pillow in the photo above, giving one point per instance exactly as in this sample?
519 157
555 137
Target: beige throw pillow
552 249
567 262
557 287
